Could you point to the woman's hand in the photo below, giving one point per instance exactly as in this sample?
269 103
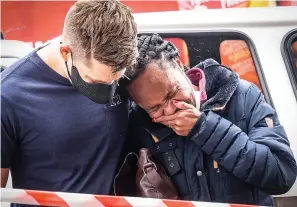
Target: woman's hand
183 120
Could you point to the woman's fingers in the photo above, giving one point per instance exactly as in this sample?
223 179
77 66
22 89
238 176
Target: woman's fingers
165 118
173 123
182 105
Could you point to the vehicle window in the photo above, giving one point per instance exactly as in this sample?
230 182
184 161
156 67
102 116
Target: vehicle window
11 51
289 51
231 50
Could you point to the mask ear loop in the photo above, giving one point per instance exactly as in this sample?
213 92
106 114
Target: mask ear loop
71 58
125 76
66 64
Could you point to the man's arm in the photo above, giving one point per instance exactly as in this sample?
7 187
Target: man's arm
4 177
8 138
262 157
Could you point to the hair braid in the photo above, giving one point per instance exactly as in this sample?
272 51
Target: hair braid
152 49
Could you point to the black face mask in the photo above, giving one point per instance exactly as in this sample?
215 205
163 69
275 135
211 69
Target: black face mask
100 93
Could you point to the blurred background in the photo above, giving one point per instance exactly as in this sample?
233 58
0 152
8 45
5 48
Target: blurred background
36 22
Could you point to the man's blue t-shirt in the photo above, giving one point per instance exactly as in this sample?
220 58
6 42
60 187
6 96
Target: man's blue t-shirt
52 137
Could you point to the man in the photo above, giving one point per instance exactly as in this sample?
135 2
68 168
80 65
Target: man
62 122
231 149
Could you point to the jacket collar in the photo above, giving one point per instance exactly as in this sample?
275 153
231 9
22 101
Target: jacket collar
221 83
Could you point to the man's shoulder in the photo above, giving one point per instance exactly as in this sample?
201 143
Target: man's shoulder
16 75
16 69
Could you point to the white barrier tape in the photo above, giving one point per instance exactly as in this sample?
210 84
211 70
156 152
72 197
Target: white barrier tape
60 199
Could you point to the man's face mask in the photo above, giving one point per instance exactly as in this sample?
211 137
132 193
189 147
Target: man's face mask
100 93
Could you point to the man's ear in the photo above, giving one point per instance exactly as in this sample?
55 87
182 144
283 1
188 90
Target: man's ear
65 51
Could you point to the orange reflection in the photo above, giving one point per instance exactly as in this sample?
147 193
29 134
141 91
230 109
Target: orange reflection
236 55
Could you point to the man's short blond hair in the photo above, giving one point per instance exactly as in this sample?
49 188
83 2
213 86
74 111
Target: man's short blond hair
103 30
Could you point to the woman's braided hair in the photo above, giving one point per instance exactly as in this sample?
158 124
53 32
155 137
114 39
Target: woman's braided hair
152 49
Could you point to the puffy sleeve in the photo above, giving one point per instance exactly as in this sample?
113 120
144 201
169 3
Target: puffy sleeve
262 157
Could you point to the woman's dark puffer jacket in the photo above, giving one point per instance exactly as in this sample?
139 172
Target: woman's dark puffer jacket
238 130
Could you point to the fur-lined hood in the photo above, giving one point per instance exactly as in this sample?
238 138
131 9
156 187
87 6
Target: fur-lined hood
221 83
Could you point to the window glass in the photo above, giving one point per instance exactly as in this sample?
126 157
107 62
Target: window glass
229 50
294 53
289 51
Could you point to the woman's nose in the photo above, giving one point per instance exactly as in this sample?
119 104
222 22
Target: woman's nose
169 108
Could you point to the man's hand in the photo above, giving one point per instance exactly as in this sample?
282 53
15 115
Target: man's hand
183 120
4 176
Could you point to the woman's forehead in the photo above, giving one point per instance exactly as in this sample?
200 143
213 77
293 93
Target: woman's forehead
165 73
157 77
